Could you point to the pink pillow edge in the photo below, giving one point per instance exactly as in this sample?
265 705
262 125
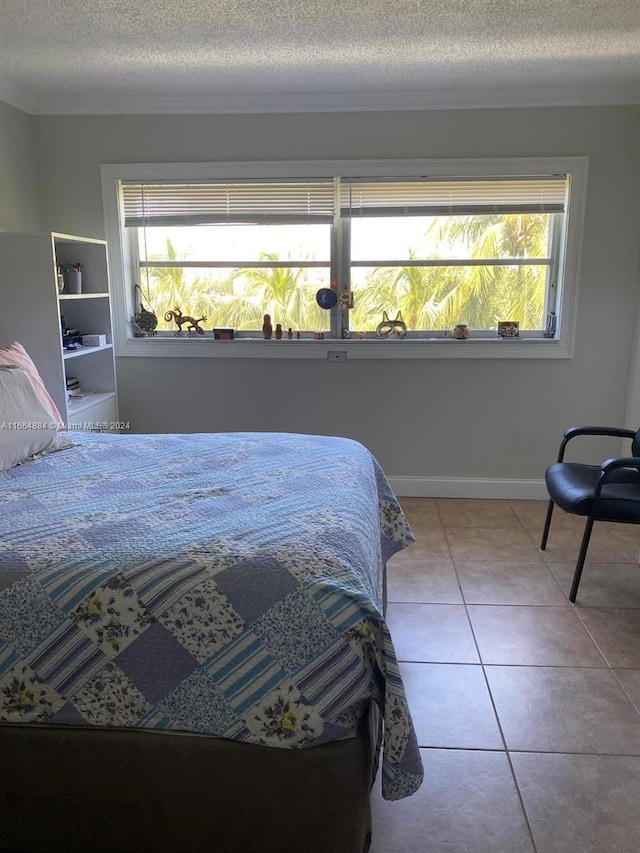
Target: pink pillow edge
23 360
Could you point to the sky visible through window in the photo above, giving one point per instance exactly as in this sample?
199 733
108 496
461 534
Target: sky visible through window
391 238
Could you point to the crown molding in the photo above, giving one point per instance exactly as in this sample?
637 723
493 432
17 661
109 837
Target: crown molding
317 102
336 102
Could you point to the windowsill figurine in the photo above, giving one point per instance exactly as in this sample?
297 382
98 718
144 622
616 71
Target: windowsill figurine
192 324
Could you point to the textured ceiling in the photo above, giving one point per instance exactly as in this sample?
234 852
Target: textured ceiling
89 56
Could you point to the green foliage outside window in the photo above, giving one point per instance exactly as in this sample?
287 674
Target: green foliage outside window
432 297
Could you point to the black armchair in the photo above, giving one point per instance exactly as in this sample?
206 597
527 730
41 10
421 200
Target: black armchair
607 492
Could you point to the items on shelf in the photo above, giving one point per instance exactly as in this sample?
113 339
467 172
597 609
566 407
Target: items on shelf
192 324
71 338
460 332
72 276
94 340
508 329
73 387
144 322
326 298
550 331
267 328
387 326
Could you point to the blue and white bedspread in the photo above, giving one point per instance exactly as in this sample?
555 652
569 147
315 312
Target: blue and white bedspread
227 584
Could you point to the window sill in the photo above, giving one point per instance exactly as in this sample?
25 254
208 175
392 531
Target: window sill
206 347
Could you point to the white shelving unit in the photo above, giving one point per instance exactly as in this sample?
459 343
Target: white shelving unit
31 310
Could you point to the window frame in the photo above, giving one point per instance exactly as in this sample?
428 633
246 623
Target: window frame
437 345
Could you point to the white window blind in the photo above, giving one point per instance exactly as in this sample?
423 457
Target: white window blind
255 202
449 196
262 202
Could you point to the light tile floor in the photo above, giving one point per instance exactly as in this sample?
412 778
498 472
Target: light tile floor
527 708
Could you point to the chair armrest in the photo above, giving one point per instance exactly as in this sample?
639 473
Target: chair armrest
618 462
607 468
573 432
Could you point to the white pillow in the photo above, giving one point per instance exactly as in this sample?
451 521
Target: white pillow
26 427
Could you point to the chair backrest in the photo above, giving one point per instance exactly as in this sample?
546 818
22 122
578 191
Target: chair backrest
635 445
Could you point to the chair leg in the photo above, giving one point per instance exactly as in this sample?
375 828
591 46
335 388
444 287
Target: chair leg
547 525
581 558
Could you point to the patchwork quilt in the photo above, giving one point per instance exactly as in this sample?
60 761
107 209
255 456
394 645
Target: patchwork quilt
227 584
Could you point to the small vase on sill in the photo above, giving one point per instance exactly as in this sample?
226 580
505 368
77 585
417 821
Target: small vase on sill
460 332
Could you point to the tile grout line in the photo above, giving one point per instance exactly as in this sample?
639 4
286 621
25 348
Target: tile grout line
484 675
493 705
501 730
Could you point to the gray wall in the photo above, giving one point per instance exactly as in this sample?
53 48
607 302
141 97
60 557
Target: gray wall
464 419
19 205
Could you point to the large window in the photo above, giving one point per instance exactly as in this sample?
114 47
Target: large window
455 251
476 247
233 251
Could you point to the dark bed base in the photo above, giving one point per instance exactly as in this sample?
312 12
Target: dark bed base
123 791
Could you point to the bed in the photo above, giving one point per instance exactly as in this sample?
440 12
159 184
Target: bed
193 651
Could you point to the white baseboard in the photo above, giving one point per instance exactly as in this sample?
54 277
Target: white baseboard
461 487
